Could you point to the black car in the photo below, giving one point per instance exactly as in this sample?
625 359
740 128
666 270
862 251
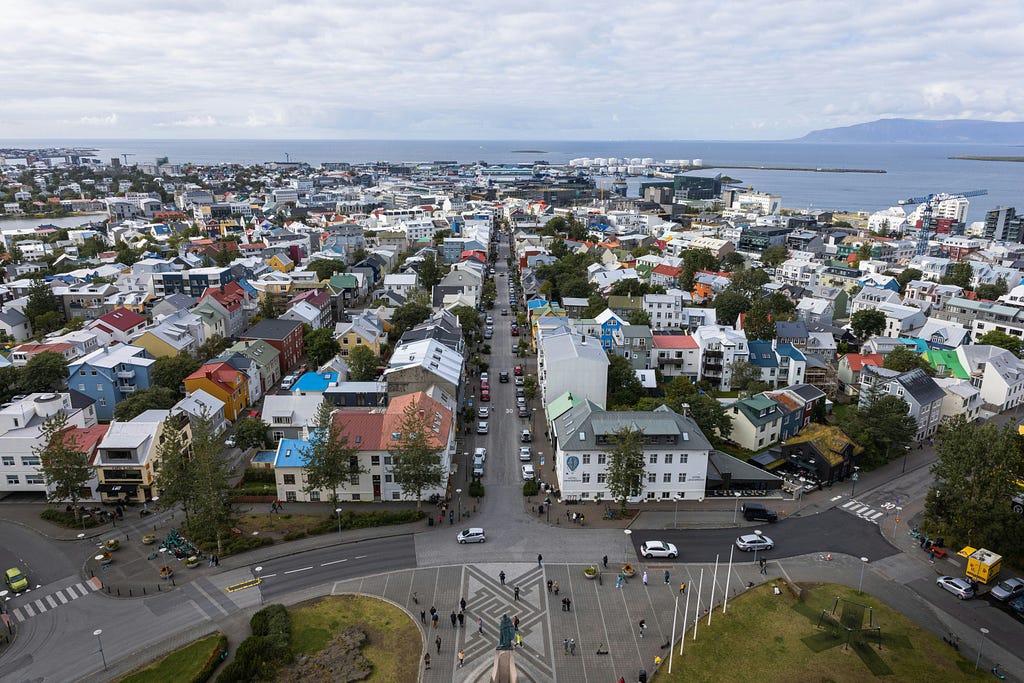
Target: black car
756 511
503 377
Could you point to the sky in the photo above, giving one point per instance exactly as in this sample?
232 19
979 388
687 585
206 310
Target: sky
529 70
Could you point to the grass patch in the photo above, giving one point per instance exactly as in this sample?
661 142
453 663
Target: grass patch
780 634
278 524
393 642
185 664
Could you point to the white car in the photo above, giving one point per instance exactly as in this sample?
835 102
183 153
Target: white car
484 377
750 542
482 427
957 586
658 549
473 535
528 473
520 380
483 411
480 453
525 454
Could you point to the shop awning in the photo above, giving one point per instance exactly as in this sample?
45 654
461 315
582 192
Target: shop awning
118 489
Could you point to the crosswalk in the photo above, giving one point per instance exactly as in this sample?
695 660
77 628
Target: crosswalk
855 507
55 599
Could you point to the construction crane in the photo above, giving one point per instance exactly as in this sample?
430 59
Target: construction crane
929 202
125 155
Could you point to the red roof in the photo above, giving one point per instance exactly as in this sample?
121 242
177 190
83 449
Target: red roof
428 407
857 361
221 374
122 319
668 271
674 341
87 439
316 297
230 296
362 430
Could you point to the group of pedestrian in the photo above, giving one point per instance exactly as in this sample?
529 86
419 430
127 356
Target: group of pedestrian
276 507
764 565
214 560
574 517
566 604
552 587
569 644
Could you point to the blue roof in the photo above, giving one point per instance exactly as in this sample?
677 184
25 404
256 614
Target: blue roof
790 351
244 284
918 345
315 381
265 456
291 453
536 303
762 355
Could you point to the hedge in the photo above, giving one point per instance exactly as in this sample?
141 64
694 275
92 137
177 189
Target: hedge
265 651
476 488
67 519
530 488
365 520
216 657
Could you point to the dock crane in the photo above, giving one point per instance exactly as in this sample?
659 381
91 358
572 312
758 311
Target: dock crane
931 201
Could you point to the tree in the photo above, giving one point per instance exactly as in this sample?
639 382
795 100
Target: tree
47 371
595 306
993 291
268 307
51 321
469 321
749 282
711 416
173 470
430 273
406 316
213 346
321 346
734 261
171 371
774 256
1002 340
211 507
10 382
758 323
558 248
975 472
363 364
325 268
960 275
64 466
41 300
746 376
127 256
626 467
865 252
251 432
639 317
330 462
416 453
902 359
882 427
624 387
907 276
867 323
729 305
154 398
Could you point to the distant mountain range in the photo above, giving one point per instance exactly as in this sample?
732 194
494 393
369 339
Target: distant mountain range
923 131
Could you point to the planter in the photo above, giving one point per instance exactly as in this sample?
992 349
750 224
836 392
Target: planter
628 571
112 545
590 573
149 539
166 572
192 562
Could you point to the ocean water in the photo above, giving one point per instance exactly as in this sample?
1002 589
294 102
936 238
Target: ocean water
911 169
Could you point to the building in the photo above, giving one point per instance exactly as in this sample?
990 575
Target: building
119 326
756 422
201 405
419 365
821 454
996 372
852 365
676 355
109 374
14 325
570 362
289 415
127 459
923 396
236 304
224 382
194 281
720 347
675 452
266 358
284 335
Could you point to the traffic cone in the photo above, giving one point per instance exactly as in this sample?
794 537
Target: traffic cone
828 558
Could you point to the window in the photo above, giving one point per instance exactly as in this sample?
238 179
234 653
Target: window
388 478
665 495
375 461
289 479
354 480
683 458
99 387
13 479
652 477
681 478
666 478
586 477
387 459
653 459
81 387
355 496
668 458
8 461
277 435
395 495
601 477
30 461
602 458
650 495
36 479
314 496
289 496
103 401
585 458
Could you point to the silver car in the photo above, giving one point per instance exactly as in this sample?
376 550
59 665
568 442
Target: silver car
1007 589
749 542
957 586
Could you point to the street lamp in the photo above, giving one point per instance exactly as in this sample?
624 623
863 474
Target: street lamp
459 493
906 452
337 511
759 534
675 516
98 632
863 563
625 556
259 584
736 508
855 476
977 662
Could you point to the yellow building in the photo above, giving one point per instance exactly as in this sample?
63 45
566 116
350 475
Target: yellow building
281 264
222 381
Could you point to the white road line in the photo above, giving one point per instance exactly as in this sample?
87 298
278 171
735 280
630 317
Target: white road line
40 606
267 576
29 611
334 562
60 596
359 557
49 599
17 613
862 508
82 588
875 516
292 571
848 504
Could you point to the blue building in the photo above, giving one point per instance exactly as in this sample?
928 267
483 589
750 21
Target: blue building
111 374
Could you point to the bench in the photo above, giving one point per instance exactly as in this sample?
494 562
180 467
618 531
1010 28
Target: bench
940 553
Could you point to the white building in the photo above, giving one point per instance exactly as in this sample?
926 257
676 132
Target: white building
720 347
570 362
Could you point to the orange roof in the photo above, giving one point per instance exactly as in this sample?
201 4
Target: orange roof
440 428
857 361
674 341
33 347
220 374
361 429
86 439
668 271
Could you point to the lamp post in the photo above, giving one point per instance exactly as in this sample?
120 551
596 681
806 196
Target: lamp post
736 508
99 632
977 662
906 452
759 534
459 493
675 516
863 563
855 476
337 511
625 555
897 522
259 584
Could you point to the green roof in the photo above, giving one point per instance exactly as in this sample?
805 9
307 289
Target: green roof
947 360
344 281
561 404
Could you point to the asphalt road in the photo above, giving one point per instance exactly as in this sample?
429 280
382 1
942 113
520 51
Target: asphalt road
317 567
41 559
830 531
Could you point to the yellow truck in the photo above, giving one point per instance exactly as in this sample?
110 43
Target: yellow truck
982 565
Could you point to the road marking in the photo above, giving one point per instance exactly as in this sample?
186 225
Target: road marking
29 611
17 613
334 562
82 588
49 599
39 604
835 498
267 576
359 557
850 503
292 571
874 516
60 596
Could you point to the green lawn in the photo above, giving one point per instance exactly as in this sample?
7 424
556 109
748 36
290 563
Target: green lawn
393 642
180 665
779 633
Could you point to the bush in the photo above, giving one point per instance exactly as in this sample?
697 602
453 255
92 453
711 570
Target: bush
365 520
261 654
216 657
264 475
295 535
67 519
530 488
234 544
476 488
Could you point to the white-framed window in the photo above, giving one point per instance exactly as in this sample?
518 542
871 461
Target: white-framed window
289 496
396 495
652 477
653 459
668 458
585 458
35 479
650 495
683 458
601 477
314 496
13 479
666 478
602 458
586 477
356 496
681 478
30 460
388 478
665 495
7 461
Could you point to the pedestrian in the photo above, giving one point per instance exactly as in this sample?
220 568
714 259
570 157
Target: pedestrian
433 610
563 604
581 520
540 558
210 564
423 617
924 539
568 516
549 585
515 622
216 560
764 566
556 587
273 507
438 642
645 577
462 604
565 644
657 662
568 605
280 507
451 518
519 639
622 679
480 625
462 620
501 577
426 661
604 561
643 627
454 618
440 517
931 555
516 589
462 658
618 581
572 646
682 587
433 621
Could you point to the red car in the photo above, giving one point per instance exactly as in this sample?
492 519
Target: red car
515 331
485 395
517 370
485 386
254 414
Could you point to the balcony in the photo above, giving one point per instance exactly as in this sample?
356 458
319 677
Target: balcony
126 374
126 388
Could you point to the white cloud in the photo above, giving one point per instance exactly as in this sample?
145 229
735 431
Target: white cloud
110 120
196 122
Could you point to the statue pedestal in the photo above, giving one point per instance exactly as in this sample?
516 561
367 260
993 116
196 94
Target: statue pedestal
504 670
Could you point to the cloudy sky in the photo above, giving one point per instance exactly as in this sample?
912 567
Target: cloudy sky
458 69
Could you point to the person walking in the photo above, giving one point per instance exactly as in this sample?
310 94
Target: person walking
565 644
764 566
516 591
666 577
437 641
426 661
572 646
555 586
604 561
462 620
501 577
480 625
454 618
462 604
515 622
645 577
618 581
682 587
434 620
568 605
433 611
540 558
519 639
462 658
451 518
423 617
549 585
643 627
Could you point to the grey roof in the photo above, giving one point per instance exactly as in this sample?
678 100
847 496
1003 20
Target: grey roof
791 330
807 392
13 317
271 328
578 427
562 346
923 388
720 463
